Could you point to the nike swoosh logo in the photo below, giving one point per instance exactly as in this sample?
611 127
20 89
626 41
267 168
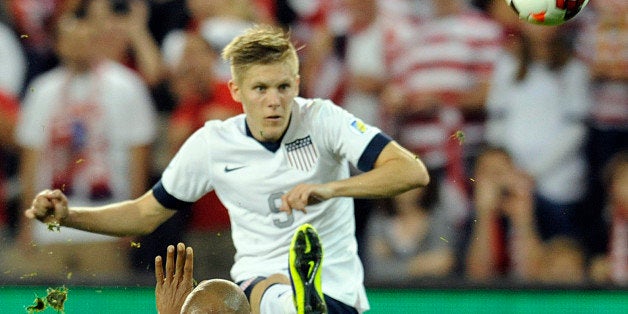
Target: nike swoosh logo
227 169
309 272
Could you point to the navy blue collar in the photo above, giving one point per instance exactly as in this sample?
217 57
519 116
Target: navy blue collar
271 146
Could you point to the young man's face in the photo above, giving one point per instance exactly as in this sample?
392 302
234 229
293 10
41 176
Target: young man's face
266 92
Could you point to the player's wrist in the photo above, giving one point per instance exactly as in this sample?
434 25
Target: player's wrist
330 190
67 220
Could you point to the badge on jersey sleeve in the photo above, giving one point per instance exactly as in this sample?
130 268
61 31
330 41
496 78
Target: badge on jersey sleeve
358 125
302 154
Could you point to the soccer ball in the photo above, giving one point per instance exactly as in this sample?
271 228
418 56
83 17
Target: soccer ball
547 12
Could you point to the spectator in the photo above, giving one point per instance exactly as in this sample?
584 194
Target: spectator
411 242
12 62
229 18
320 28
563 263
612 265
440 82
12 73
604 47
34 21
201 95
166 16
503 241
370 42
218 22
97 122
123 35
357 56
9 110
174 40
537 104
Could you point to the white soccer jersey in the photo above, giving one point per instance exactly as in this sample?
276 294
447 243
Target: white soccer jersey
249 179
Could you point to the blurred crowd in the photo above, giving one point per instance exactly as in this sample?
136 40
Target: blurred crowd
524 130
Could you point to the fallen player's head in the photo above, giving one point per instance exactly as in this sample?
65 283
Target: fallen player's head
216 296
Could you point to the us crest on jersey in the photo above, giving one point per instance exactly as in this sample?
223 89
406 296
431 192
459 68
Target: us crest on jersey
302 154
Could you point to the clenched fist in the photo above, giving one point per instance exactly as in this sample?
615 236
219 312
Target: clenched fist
49 206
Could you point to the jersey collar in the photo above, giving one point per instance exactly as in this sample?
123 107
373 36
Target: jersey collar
271 146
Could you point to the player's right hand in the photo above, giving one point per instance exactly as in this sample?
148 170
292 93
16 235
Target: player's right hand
49 206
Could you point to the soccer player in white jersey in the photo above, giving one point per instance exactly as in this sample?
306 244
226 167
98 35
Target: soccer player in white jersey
282 171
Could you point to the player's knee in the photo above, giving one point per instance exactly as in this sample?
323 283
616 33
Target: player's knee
260 288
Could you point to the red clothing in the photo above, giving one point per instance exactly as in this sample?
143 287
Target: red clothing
9 105
35 19
194 111
208 213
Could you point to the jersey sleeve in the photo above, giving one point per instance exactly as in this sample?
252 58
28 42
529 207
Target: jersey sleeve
350 138
168 200
188 175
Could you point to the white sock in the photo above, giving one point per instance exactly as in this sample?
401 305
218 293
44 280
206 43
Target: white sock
277 299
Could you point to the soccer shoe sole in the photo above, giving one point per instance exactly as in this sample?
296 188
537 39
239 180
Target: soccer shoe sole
306 257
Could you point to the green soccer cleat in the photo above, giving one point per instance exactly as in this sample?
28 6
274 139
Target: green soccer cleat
306 258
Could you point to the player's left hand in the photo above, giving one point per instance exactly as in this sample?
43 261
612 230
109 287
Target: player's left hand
303 195
173 288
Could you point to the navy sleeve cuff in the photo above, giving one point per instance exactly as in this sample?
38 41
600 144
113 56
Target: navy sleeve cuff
372 151
167 200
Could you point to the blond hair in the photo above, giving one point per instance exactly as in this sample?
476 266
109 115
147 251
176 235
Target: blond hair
261 44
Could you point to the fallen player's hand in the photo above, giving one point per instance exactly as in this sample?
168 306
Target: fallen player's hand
49 206
173 287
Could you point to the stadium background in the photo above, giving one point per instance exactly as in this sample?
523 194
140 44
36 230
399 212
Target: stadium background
457 297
